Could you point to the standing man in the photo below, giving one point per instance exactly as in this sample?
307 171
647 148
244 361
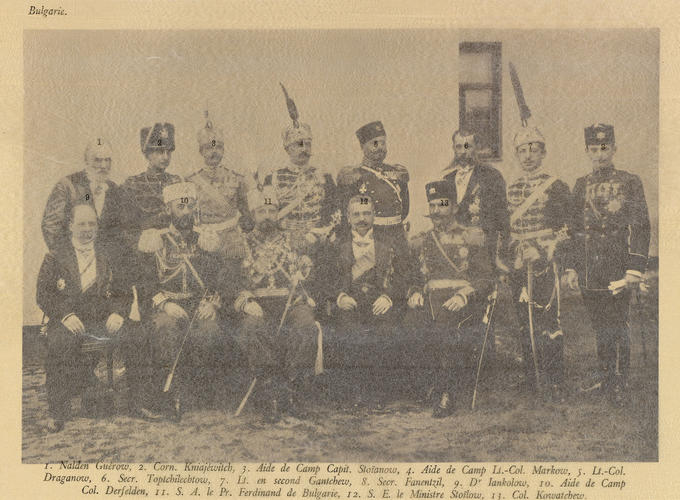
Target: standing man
277 332
90 186
221 193
610 243
85 301
386 185
539 215
144 192
307 205
179 293
448 299
480 194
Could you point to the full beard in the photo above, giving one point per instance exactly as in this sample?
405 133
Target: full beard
268 227
184 223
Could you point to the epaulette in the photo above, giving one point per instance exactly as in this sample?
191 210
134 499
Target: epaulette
402 172
348 175
134 178
150 241
209 241
474 236
417 241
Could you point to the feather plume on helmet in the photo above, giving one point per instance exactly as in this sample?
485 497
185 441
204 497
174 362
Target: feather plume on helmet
297 131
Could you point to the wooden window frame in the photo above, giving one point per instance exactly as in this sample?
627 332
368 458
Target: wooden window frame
495 87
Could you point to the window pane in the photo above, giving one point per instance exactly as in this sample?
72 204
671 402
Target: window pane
477 98
474 67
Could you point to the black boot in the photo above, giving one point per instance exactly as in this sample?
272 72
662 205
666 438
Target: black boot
444 408
271 407
295 405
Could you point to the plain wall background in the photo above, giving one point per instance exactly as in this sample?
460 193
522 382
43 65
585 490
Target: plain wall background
80 85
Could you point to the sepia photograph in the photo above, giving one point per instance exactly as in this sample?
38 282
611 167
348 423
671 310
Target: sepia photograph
367 245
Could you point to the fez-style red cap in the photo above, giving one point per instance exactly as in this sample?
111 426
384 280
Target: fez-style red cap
438 190
370 131
599 134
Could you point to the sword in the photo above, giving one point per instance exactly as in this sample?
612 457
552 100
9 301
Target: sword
278 331
171 375
489 316
530 289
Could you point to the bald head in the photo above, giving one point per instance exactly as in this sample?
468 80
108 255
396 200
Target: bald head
83 224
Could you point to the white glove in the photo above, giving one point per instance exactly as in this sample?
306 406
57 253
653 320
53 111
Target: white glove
206 310
381 305
416 300
571 279
346 303
175 311
455 303
252 308
524 295
73 324
114 323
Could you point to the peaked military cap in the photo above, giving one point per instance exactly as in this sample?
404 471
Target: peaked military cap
441 189
370 131
159 137
599 133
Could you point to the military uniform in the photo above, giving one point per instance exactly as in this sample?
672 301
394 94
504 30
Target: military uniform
63 290
222 204
183 270
449 262
265 275
307 202
280 351
387 185
144 206
611 234
539 216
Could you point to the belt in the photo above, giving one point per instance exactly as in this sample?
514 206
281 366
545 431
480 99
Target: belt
543 233
178 295
387 221
271 292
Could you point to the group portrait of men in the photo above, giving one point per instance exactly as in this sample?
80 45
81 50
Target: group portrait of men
290 266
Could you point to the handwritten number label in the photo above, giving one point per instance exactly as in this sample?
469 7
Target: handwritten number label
364 201
99 141
87 197
213 143
267 201
184 200
445 203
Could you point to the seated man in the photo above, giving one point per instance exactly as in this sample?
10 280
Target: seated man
449 297
85 303
277 333
369 289
179 299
